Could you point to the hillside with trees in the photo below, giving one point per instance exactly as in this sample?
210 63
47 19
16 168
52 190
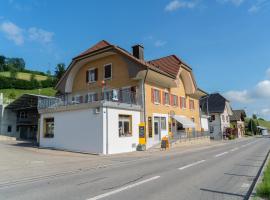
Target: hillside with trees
16 79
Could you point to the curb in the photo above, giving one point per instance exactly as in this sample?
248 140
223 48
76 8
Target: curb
258 179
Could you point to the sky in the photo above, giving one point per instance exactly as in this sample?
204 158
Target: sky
226 42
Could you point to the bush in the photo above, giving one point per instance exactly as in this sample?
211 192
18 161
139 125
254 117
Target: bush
8 83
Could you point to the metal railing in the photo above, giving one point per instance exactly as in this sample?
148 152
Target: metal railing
184 136
118 96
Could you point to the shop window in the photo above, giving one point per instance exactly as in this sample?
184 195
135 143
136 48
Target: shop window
163 123
124 125
49 127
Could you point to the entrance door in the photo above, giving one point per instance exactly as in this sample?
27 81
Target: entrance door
157 128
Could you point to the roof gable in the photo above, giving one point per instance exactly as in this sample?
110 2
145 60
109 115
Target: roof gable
101 44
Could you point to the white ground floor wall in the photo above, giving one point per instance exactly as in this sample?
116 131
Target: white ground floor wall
87 131
8 122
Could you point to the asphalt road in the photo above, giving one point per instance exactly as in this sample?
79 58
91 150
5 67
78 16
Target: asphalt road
219 172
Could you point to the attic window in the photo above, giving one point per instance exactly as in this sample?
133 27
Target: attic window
108 71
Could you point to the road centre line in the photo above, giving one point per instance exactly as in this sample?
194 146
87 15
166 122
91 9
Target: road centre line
123 188
192 164
234 149
221 154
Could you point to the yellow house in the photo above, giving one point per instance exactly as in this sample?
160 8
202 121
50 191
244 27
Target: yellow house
107 92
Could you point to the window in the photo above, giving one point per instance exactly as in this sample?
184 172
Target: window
9 129
174 100
124 126
166 98
183 102
223 118
108 71
108 95
211 129
49 127
191 104
193 119
92 75
156 96
163 123
23 115
91 97
213 118
227 118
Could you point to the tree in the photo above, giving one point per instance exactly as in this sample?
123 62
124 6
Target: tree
254 116
252 126
48 73
15 63
59 70
12 95
2 63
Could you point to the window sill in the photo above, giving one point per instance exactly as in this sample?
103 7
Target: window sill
90 82
107 79
156 103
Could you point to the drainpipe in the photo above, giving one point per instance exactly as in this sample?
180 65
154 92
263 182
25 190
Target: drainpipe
144 109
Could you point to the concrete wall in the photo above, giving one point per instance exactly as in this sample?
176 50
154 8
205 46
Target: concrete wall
78 130
7 118
118 144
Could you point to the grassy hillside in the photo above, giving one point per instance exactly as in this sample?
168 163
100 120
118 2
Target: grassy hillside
17 92
24 76
264 123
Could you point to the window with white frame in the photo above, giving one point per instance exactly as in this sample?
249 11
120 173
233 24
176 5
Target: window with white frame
92 75
108 71
124 125
163 123
91 97
174 100
156 96
183 102
23 115
167 98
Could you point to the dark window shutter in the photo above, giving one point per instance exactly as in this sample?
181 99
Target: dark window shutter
96 74
87 76
86 98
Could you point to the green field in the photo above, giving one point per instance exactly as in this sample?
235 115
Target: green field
24 76
17 92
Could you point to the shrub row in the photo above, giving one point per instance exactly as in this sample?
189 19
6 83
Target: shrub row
8 83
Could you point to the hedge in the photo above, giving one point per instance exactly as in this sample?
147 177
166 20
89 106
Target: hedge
8 83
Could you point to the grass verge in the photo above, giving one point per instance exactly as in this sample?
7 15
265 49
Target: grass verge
263 189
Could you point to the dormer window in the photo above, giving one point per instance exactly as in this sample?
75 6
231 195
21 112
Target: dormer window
107 71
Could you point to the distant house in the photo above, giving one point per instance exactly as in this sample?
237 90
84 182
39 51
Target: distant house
238 121
219 110
203 113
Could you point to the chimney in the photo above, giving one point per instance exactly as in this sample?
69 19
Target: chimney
137 51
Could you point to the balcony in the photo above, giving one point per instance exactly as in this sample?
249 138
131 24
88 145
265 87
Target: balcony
116 98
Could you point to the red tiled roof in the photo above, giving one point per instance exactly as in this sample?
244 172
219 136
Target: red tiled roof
99 45
169 64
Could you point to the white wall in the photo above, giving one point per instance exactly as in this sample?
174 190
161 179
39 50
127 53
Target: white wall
118 144
7 118
77 130
204 123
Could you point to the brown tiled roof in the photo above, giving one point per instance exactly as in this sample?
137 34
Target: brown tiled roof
169 64
99 45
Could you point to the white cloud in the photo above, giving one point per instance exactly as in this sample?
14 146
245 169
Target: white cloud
160 43
238 96
262 89
234 2
12 32
265 111
177 4
253 9
40 35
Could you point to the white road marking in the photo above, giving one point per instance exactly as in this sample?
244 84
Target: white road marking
192 164
221 154
123 188
234 149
